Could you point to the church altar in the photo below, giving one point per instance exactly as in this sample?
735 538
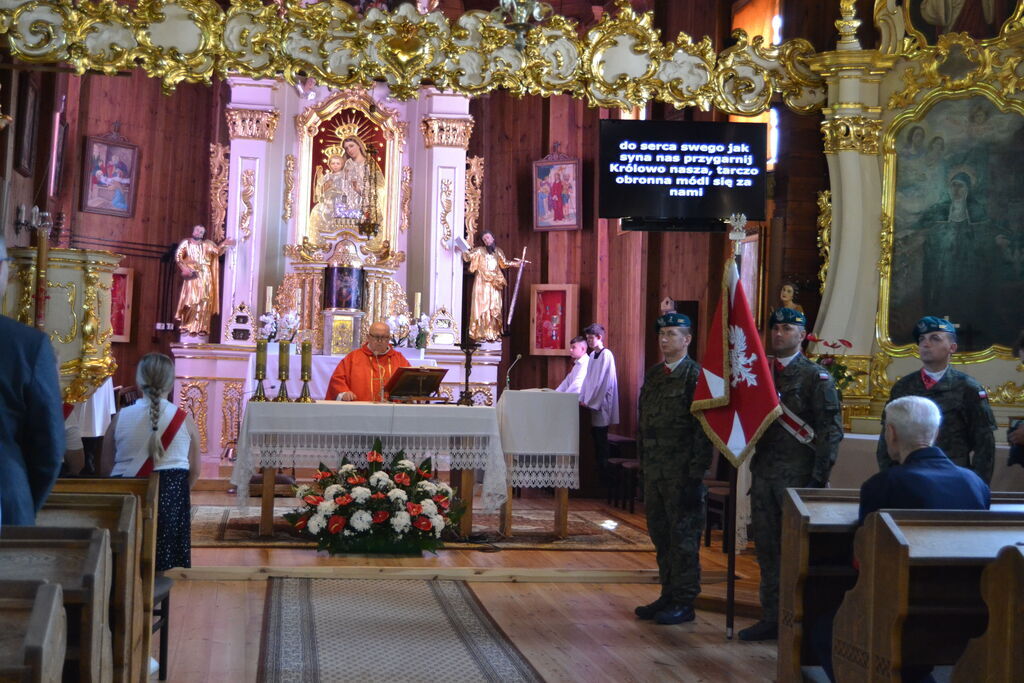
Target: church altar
276 435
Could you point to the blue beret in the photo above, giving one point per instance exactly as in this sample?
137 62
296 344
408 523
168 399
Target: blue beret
788 315
930 323
672 320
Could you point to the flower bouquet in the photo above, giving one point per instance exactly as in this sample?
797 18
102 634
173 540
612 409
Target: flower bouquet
397 509
277 326
834 363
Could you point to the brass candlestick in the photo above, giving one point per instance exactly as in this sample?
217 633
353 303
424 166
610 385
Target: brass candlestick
282 372
260 395
307 372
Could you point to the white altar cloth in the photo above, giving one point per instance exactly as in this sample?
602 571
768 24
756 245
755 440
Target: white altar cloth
540 435
97 410
305 434
323 368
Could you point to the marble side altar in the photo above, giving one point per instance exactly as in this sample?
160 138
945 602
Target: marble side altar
368 190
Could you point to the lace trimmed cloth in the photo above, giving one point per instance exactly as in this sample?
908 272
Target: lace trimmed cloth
540 436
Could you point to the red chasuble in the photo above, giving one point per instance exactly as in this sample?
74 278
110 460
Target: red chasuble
364 374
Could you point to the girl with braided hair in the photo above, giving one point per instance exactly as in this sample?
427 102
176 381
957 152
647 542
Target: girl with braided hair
153 435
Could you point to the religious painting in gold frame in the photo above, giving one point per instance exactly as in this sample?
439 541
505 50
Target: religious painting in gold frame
553 319
951 245
983 20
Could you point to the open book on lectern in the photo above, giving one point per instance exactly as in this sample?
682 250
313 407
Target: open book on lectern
414 384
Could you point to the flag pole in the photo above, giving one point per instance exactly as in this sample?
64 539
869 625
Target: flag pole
736 235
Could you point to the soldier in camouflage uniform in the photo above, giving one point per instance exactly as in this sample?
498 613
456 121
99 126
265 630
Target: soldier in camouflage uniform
675 454
967 420
797 450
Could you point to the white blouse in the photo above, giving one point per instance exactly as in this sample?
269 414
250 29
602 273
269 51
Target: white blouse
131 437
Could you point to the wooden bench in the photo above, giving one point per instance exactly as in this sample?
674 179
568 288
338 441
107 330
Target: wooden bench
997 655
33 632
147 491
818 527
119 514
917 601
79 560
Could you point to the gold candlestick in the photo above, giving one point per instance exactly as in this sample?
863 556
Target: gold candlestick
260 396
284 349
307 372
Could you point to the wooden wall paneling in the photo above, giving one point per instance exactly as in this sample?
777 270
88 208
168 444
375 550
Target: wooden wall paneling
627 329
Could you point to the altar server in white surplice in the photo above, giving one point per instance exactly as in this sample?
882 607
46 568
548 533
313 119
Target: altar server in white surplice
573 382
600 393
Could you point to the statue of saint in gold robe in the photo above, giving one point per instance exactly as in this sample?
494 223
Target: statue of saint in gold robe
486 264
197 260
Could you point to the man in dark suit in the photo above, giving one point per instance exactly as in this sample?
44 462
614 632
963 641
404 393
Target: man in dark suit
31 416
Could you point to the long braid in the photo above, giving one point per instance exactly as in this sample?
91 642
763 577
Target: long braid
155 375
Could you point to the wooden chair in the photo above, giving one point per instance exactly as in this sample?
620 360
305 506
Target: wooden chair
119 514
34 627
79 560
161 618
997 655
126 396
917 601
147 491
717 502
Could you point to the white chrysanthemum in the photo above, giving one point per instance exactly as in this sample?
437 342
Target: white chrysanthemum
444 489
429 507
398 496
360 494
429 487
303 491
437 522
401 521
327 507
347 532
407 465
361 520
334 490
380 480
347 469
317 523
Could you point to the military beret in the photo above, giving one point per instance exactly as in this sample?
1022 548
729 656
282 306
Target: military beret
672 320
788 315
930 323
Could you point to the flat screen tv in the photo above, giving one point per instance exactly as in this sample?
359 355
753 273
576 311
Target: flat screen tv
682 175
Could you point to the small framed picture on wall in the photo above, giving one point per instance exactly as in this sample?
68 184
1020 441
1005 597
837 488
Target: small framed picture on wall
553 318
556 193
110 170
121 293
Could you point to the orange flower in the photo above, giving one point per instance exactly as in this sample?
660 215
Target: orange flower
374 456
343 500
336 523
414 508
425 475
441 501
313 499
356 479
403 478
380 516
422 523
300 523
320 475
378 496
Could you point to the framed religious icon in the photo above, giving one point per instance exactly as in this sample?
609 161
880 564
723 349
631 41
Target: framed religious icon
981 19
556 195
110 169
121 294
553 311
27 125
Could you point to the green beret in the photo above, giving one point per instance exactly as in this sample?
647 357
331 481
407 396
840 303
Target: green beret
672 320
930 323
788 315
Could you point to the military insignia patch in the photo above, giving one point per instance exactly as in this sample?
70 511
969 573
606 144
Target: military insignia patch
983 394
822 375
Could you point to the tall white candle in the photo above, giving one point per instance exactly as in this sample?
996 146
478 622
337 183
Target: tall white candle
269 305
416 306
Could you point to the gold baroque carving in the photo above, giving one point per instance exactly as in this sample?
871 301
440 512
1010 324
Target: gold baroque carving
856 133
881 385
72 332
860 366
406 214
231 413
474 195
252 124
289 186
219 169
192 397
438 132
445 204
247 192
824 235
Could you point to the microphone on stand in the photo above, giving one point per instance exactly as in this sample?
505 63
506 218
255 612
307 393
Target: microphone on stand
508 375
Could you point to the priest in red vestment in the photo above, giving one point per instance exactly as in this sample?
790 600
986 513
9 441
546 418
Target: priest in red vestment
362 374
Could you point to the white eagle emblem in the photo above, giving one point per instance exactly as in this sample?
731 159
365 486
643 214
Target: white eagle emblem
739 360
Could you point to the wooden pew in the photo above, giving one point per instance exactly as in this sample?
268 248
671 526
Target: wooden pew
818 527
147 491
917 601
33 625
119 514
79 560
997 655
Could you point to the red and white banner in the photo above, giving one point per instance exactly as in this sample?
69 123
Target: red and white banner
735 399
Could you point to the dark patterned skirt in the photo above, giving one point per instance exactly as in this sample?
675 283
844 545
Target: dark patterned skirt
173 523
